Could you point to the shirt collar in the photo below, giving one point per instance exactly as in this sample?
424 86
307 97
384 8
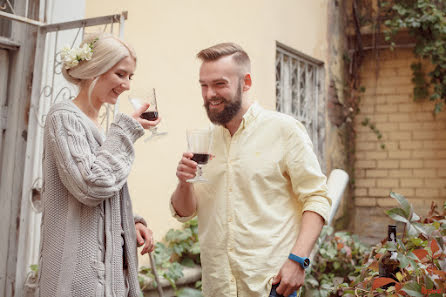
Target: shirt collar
252 112
249 116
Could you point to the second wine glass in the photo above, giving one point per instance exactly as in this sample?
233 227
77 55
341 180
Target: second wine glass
199 143
151 114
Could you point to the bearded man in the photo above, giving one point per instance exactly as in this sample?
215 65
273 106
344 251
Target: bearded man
265 201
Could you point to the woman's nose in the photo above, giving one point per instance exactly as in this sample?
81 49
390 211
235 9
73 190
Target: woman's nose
125 85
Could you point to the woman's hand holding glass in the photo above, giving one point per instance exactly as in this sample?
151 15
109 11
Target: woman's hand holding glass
150 113
144 123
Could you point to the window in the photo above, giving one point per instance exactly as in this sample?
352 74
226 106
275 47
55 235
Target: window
5 24
299 93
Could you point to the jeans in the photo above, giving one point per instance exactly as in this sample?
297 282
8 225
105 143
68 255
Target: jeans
275 294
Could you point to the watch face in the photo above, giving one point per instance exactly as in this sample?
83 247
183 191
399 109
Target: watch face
306 262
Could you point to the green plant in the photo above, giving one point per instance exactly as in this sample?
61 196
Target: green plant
338 260
34 268
367 123
184 244
426 21
180 248
421 252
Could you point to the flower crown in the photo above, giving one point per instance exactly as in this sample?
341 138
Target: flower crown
72 56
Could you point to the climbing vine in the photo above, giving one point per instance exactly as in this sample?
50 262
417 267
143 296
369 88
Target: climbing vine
425 20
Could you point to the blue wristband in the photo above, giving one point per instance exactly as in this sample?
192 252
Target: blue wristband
303 261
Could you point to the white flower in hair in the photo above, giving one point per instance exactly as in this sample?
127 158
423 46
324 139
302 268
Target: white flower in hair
72 56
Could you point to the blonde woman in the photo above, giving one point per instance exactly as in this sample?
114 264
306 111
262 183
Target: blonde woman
89 233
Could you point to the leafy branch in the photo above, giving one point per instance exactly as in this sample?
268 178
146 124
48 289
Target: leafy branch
426 21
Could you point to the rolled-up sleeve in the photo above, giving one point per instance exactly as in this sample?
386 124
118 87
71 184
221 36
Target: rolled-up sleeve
308 182
178 217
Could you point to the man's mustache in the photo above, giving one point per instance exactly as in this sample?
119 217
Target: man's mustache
208 102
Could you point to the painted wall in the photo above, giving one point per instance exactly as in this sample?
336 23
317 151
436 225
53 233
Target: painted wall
167 34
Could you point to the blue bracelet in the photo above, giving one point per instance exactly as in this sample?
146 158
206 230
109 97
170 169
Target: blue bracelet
303 261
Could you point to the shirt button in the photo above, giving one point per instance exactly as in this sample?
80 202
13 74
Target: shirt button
230 190
231 249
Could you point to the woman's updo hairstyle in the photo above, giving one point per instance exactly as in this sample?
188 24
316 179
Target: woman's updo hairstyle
107 49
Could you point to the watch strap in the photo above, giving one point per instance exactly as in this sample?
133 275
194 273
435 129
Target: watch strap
303 261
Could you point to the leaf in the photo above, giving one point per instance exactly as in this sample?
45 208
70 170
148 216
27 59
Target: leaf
419 228
413 229
434 248
195 248
404 203
34 268
404 261
421 254
412 289
336 265
188 262
414 217
397 214
374 266
189 292
397 287
382 281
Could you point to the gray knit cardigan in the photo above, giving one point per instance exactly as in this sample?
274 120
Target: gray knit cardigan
87 209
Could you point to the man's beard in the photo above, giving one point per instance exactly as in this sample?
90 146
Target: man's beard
231 108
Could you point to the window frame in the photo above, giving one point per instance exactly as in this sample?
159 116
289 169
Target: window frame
306 103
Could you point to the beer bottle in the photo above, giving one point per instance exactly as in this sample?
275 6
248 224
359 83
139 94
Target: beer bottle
388 263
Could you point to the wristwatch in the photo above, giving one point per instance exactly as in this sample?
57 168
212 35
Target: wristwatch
303 261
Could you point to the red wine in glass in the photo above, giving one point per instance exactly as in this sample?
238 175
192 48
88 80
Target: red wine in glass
199 143
200 158
150 115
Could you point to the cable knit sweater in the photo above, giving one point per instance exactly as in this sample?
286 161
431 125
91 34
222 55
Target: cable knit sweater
87 209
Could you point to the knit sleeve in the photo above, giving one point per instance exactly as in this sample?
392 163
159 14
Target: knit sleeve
92 175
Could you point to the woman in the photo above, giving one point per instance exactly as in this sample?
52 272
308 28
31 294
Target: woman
89 234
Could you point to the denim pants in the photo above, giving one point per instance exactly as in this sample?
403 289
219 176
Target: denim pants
275 294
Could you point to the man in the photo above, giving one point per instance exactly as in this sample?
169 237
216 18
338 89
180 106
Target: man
266 199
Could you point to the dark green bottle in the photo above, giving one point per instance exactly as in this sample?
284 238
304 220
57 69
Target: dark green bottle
389 265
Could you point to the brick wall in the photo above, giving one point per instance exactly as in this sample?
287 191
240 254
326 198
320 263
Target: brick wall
413 162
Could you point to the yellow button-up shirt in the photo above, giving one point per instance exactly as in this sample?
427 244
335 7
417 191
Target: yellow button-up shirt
261 181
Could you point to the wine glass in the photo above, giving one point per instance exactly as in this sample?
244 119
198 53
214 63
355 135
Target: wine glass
199 143
151 114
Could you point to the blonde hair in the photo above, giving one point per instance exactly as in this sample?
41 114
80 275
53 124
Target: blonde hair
108 50
234 50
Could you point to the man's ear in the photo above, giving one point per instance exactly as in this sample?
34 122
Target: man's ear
247 82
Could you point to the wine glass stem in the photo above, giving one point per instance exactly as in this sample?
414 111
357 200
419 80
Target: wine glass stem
199 171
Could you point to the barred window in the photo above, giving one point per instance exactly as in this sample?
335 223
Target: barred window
299 93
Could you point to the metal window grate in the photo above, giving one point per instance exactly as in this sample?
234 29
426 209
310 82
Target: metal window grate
299 93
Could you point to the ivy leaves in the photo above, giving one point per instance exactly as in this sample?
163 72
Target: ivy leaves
426 21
